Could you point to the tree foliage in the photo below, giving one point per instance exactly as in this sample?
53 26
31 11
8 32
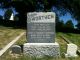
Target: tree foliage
59 24
24 6
7 14
78 26
1 17
69 24
64 27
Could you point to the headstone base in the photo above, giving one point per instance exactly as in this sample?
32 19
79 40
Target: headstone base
41 49
67 55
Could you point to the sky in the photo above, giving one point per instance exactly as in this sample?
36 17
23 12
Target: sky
65 18
1 12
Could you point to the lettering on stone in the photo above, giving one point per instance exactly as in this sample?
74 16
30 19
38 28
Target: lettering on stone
41 27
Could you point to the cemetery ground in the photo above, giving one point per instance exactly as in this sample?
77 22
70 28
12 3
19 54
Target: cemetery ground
8 33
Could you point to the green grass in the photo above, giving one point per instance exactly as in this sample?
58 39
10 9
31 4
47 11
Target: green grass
74 38
7 34
22 40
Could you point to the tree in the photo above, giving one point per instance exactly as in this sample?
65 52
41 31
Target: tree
69 24
24 6
7 14
59 24
78 26
1 17
16 17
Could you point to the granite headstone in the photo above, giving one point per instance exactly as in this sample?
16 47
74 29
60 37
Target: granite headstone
41 27
41 35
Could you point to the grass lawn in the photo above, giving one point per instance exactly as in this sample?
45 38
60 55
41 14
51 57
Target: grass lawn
7 34
74 38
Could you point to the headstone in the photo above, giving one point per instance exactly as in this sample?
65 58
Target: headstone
41 35
16 49
71 50
41 27
12 17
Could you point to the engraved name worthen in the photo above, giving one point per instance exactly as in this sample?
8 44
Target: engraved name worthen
41 27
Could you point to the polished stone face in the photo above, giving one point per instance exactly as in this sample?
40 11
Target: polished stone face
41 27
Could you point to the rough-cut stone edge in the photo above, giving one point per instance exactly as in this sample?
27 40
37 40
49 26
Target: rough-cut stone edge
52 46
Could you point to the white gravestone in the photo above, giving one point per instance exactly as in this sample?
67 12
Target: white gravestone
12 17
71 50
41 35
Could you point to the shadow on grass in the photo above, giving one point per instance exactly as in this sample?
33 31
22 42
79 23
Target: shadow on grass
13 24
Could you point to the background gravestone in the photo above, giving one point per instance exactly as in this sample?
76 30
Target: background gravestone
16 49
71 50
41 27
